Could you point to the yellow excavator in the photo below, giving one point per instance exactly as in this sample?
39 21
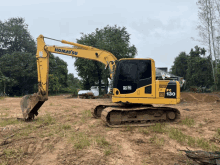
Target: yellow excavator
135 87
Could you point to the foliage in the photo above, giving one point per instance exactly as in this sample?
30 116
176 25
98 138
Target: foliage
195 68
58 68
54 85
21 67
18 61
199 71
180 65
15 37
111 38
73 81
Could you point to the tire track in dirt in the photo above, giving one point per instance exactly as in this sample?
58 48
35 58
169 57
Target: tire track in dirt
194 97
44 151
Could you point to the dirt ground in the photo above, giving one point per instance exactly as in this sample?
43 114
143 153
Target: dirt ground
64 132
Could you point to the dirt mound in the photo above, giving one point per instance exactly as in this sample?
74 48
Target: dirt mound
199 97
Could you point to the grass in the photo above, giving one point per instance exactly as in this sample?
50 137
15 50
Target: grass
200 125
85 114
66 126
158 128
5 108
2 98
75 106
4 114
218 132
6 122
46 120
80 140
156 140
144 131
101 141
51 104
26 131
188 121
177 135
50 147
107 151
191 141
12 154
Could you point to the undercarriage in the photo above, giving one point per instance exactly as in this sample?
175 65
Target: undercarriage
119 115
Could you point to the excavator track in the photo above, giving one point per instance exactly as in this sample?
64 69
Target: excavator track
97 109
142 116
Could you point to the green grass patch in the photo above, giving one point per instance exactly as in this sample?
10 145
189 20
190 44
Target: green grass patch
26 131
66 126
156 140
188 121
158 127
13 154
218 131
177 135
80 140
108 151
85 114
46 120
5 122
101 141
144 131
191 141
2 98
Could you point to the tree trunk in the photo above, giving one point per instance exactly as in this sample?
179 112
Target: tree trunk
209 38
210 7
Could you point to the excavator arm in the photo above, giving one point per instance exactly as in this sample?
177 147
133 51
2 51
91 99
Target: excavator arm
31 103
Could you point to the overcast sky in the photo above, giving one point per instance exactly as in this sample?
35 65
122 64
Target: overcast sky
159 29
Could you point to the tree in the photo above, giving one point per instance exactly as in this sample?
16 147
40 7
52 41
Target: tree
58 68
15 37
54 85
22 68
209 25
180 65
73 81
111 38
18 60
199 70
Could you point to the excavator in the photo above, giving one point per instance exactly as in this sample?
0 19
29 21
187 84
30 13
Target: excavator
135 87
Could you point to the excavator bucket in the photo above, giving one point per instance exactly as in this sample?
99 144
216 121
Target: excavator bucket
30 105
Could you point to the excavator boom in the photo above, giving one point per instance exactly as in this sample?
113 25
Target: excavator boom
31 103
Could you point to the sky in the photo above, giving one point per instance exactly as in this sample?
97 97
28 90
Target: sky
159 29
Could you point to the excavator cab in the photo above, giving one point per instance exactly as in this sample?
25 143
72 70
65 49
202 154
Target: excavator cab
132 74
